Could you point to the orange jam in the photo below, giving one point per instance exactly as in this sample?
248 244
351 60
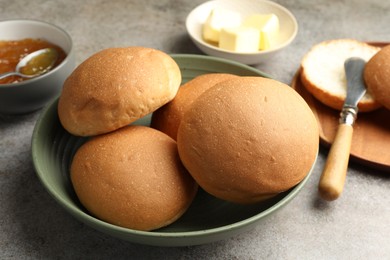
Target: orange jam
11 52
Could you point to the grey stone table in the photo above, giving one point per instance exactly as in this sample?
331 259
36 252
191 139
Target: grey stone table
34 226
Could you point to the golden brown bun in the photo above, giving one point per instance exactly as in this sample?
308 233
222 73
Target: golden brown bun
377 76
115 87
167 118
323 73
133 178
248 138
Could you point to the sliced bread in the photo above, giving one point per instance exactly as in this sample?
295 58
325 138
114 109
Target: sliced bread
323 73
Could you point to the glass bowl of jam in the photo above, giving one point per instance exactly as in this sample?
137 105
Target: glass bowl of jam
19 38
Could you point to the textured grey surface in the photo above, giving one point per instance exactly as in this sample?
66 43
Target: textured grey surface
33 226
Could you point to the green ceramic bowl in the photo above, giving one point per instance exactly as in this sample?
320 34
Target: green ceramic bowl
208 219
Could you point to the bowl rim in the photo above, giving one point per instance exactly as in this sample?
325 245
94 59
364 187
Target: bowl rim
50 72
221 60
278 47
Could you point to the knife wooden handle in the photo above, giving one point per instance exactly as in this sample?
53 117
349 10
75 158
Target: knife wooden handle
333 177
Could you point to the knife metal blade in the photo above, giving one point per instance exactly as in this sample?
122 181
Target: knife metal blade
356 89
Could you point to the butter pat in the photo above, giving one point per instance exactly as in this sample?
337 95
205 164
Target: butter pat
268 26
217 19
239 39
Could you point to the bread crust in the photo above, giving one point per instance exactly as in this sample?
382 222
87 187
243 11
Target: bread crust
248 138
133 178
115 87
167 118
323 75
377 76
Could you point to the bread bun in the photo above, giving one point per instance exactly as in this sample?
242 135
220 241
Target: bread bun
377 76
323 73
167 118
115 87
132 178
247 139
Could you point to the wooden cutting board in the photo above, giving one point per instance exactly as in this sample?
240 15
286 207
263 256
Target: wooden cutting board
371 136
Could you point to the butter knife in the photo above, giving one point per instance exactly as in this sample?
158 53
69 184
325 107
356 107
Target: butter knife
333 176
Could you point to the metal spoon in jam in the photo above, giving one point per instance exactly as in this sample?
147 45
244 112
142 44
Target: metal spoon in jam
34 64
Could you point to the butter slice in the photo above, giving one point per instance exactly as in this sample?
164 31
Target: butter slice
217 19
268 26
239 39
